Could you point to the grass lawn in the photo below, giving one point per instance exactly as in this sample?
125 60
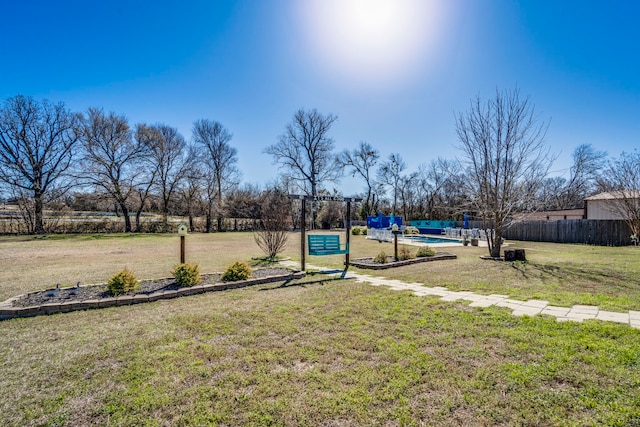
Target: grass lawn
317 351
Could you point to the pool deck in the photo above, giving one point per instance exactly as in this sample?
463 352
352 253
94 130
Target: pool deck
452 242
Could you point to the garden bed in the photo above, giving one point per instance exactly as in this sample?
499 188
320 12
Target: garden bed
63 300
369 263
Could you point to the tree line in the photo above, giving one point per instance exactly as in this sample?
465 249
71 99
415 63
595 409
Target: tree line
50 155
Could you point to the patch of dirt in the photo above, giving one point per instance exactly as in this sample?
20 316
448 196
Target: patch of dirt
96 292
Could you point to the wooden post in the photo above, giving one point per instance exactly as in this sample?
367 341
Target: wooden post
395 245
346 257
395 231
182 245
302 235
182 232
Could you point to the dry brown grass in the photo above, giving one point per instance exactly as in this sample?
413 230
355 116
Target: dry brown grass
30 264
562 274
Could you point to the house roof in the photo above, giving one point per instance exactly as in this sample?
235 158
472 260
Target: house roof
616 195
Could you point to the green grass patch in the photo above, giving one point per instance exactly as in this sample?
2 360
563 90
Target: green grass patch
319 353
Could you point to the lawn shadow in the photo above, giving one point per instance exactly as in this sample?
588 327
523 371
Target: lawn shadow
576 273
289 283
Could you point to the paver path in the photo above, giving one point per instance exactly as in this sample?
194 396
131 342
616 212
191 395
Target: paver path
532 307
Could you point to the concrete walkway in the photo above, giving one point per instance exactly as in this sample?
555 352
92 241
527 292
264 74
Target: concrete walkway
532 307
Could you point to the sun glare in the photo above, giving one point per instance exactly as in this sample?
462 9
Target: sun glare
371 41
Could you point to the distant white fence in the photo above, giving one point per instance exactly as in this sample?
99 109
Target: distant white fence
386 235
380 234
472 233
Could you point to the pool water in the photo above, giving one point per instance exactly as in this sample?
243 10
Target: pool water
431 240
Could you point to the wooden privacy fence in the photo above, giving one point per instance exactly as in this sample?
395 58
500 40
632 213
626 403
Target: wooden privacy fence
587 231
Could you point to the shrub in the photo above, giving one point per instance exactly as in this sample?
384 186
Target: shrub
122 282
355 231
363 231
186 275
411 230
237 271
425 251
272 231
405 253
381 258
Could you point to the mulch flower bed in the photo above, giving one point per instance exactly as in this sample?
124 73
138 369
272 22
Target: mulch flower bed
391 263
74 298
147 287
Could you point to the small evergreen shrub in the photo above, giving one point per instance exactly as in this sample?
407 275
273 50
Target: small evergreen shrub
405 253
237 271
122 282
355 231
425 251
187 274
363 231
381 258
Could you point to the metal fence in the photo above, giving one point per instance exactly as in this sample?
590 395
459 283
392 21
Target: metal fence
381 234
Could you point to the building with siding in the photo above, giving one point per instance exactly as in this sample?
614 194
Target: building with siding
550 215
609 205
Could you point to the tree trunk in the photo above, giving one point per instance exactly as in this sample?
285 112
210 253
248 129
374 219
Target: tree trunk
495 248
127 219
219 198
39 214
165 221
138 213
208 216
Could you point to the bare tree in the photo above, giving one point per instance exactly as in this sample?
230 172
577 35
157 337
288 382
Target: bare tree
550 195
390 174
166 156
111 157
408 191
37 147
584 174
306 151
437 188
244 202
275 224
361 161
621 178
503 147
569 193
191 194
221 160
143 193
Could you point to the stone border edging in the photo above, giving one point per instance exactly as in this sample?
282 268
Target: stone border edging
436 257
7 311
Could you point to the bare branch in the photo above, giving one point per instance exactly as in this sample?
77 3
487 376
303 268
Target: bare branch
505 156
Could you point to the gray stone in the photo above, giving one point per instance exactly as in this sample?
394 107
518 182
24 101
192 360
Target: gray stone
611 316
555 311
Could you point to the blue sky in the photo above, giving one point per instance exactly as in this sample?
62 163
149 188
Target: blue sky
394 71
